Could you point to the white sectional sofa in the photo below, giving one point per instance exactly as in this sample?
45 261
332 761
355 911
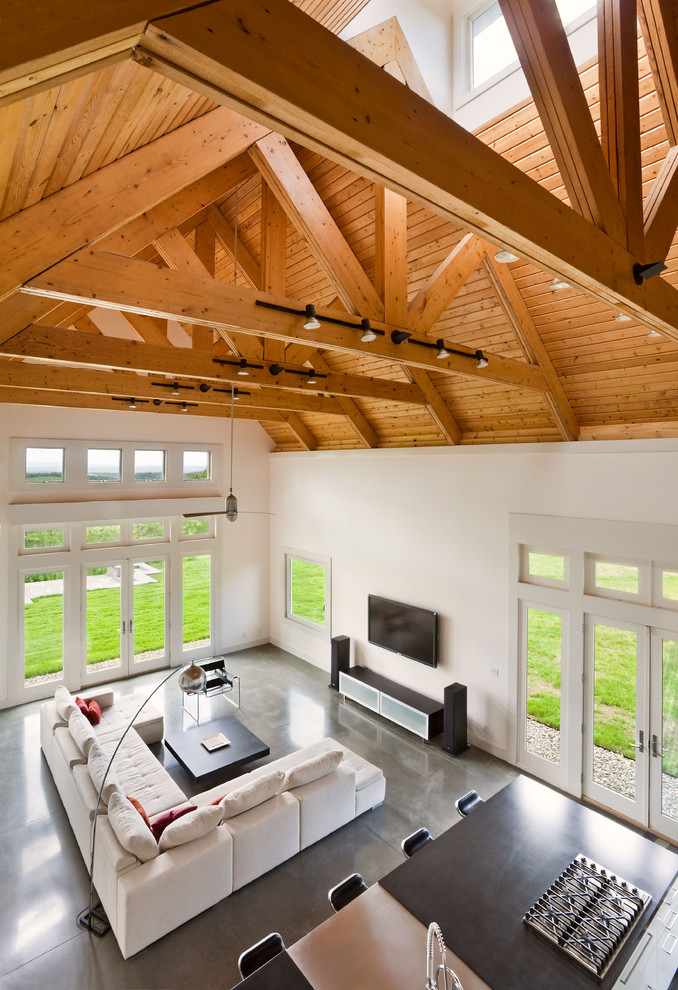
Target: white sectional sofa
238 830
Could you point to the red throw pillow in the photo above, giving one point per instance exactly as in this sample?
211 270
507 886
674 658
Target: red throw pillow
82 705
140 809
159 825
217 800
94 712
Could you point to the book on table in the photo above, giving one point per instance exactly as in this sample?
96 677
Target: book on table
216 741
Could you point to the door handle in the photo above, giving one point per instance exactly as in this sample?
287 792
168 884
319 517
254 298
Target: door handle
655 750
640 745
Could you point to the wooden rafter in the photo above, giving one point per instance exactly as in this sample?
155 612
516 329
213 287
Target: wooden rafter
661 210
532 344
619 110
273 257
551 73
226 237
267 62
127 284
281 169
451 275
108 352
657 19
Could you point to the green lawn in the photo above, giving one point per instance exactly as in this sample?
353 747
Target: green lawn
43 620
308 591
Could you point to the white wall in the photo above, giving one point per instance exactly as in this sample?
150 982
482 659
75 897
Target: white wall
242 581
430 528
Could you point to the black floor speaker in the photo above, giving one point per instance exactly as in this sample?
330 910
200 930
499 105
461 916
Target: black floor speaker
454 732
340 660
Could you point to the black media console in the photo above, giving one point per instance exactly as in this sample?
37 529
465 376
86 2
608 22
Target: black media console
405 707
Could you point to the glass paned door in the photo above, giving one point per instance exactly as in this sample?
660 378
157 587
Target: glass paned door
542 708
43 627
615 737
104 620
126 621
197 604
663 742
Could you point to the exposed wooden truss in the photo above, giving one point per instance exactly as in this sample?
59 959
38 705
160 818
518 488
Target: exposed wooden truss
222 222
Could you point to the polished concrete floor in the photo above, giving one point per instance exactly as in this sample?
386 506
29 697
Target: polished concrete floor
287 703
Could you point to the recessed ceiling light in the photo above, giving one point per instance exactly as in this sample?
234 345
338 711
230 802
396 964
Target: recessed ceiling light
622 317
505 257
654 333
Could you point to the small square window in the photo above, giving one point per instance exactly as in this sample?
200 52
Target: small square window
610 576
197 465
44 465
195 527
43 539
148 531
104 464
545 567
102 534
150 465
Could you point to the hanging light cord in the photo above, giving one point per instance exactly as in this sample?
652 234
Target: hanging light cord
230 488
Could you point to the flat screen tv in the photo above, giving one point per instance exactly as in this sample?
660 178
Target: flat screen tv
405 629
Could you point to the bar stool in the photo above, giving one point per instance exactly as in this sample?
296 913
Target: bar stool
261 952
416 841
346 891
468 803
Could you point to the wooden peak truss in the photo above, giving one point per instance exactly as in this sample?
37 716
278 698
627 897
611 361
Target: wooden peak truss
179 184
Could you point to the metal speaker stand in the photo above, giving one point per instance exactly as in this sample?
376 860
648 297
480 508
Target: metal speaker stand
95 920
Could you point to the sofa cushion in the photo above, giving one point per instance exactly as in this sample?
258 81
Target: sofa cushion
142 775
97 764
191 826
312 769
82 732
148 722
251 794
159 824
82 705
130 830
140 809
65 702
94 712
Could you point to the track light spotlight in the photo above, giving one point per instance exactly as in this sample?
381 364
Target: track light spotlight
204 387
368 334
132 403
311 321
621 317
481 360
442 353
558 283
184 406
641 273
243 368
175 388
275 369
398 336
312 380
505 257
157 402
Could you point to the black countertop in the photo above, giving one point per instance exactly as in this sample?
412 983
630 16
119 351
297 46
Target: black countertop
478 879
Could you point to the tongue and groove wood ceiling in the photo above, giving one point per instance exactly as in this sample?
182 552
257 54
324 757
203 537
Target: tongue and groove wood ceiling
165 171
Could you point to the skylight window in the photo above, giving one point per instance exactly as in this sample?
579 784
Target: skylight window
492 50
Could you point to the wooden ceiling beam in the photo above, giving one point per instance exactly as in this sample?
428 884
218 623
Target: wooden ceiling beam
267 61
301 431
620 111
451 275
97 351
151 329
657 20
97 204
528 335
273 257
205 249
127 284
661 210
226 237
551 73
282 170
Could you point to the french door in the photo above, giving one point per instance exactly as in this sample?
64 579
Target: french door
631 721
126 617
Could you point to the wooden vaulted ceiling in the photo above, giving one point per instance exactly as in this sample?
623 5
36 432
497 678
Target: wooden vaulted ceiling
165 171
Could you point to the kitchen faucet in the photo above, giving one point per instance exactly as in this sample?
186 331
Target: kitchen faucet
432 974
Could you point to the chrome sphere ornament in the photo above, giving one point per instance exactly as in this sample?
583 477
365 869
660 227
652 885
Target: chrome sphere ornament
192 679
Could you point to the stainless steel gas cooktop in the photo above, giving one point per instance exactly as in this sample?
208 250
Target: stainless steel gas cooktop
588 912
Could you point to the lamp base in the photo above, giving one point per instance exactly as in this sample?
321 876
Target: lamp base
95 920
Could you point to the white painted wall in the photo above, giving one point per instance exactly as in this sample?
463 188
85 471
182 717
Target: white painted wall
242 581
430 528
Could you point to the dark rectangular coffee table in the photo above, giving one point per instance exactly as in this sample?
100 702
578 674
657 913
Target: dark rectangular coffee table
199 762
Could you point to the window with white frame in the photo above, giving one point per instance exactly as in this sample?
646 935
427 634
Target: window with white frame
307 589
491 49
44 465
